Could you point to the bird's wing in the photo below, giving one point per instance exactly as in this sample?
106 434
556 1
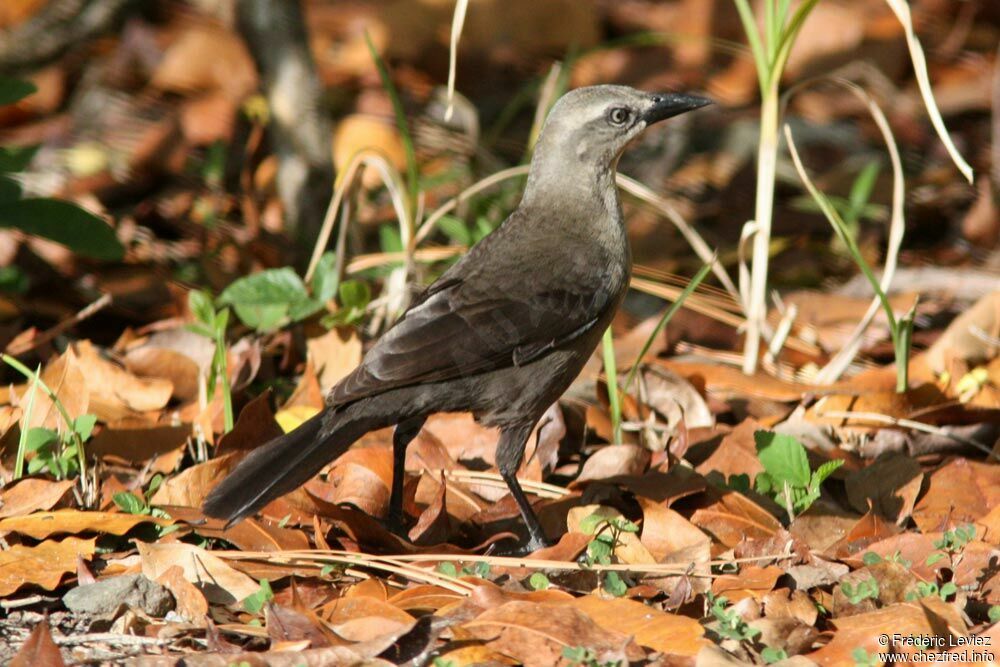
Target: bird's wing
458 329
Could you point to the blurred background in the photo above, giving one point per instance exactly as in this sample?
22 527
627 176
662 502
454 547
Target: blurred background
209 133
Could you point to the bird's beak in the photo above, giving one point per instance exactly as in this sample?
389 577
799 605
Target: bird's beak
668 105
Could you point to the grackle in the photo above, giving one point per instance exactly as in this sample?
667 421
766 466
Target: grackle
504 331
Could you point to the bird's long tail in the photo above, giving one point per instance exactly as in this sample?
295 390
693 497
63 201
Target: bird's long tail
284 464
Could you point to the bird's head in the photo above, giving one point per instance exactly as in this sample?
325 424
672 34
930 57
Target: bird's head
594 124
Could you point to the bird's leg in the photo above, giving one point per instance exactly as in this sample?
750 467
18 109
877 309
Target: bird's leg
510 451
405 432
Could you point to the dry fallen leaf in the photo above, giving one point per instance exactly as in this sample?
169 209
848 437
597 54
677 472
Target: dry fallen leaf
69 521
43 565
30 494
219 583
39 650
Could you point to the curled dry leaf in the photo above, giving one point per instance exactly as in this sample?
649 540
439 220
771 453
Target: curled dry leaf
43 565
41 525
31 494
206 57
622 460
219 583
190 487
114 392
191 603
536 633
670 634
733 517
752 581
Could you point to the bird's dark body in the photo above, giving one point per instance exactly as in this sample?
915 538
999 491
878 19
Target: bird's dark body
501 334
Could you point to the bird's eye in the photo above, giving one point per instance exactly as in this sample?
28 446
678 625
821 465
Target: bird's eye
618 116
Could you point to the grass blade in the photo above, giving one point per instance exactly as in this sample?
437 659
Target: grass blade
674 307
611 371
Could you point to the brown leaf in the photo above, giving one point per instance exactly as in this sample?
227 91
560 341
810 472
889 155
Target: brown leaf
961 343
191 486
139 444
191 603
206 57
629 548
614 461
31 494
288 625
114 392
960 491
69 521
219 583
869 528
736 454
889 486
334 354
733 518
176 355
665 531
670 634
43 565
39 650
751 581
254 426
536 633
862 630
434 525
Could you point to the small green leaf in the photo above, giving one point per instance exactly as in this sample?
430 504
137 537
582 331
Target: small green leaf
65 223
871 558
40 438
201 306
389 239
538 581
591 522
824 471
265 299
447 568
934 558
130 503
15 90
324 280
771 655
355 294
994 613
614 584
84 426
456 230
783 457
255 602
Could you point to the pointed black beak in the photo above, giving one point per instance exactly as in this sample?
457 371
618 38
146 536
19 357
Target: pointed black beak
668 105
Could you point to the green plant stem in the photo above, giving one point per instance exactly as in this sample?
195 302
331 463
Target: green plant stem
767 159
36 378
22 441
611 371
667 316
222 372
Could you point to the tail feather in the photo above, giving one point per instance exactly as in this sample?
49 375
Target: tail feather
280 466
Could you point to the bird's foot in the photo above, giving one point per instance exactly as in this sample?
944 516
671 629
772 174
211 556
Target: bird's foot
512 549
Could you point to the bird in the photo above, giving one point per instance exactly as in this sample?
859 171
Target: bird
503 332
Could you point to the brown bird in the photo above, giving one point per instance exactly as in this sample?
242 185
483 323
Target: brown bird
504 331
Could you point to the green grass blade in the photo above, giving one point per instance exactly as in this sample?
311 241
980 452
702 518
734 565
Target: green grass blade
611 371
674 307
412 171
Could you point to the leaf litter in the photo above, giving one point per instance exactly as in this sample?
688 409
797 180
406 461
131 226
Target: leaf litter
741 519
